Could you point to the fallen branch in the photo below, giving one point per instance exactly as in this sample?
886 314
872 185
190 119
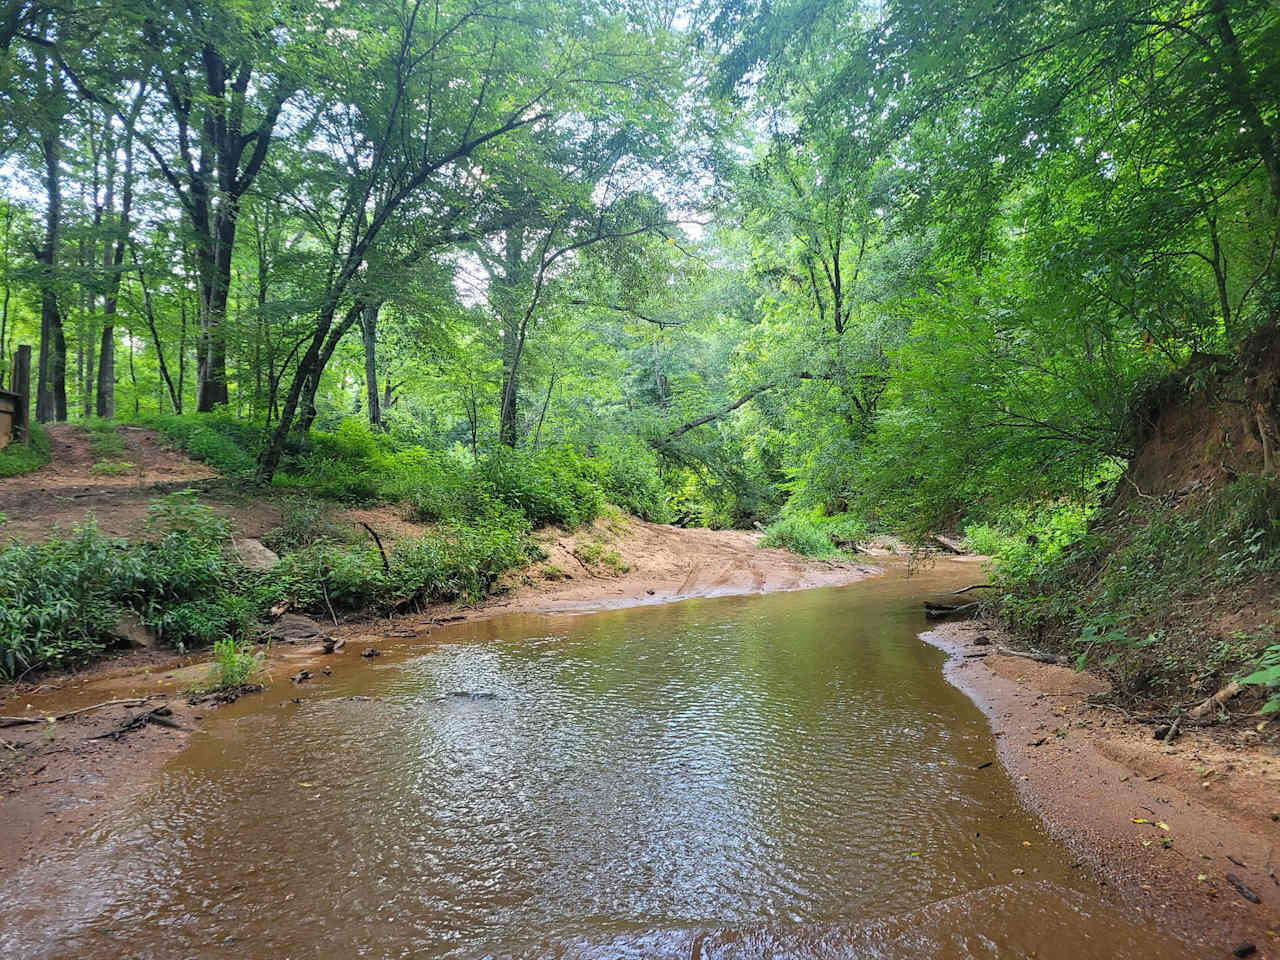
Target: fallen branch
1217 700
20 721
160 715
1036 655
940 611
976 586
386 567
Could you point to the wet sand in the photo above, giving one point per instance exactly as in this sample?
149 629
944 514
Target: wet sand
1108 790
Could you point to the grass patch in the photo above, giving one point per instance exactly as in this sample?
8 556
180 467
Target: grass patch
19 458
1168 600
815 535
113 468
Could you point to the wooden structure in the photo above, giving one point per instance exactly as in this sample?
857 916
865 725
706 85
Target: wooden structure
15 402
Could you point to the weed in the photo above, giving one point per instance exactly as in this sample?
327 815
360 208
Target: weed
236 666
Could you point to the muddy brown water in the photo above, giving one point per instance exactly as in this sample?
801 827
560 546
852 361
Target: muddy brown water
769 776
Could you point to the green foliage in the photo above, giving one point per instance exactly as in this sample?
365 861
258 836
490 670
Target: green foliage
1122 588
236 666
227 444
303 522
1267 675
551 486
628 474
814 535
61 600
19 458
454 561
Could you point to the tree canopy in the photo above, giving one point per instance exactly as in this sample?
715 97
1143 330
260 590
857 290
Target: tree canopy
907 261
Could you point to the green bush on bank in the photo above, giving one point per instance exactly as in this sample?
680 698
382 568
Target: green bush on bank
354 463
1121 588
815 535
62 601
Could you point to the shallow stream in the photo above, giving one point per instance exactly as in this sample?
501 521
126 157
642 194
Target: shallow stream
764 776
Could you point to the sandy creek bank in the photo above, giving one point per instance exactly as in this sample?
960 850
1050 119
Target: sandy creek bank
1163 824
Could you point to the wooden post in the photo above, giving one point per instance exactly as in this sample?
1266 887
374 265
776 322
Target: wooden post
20 383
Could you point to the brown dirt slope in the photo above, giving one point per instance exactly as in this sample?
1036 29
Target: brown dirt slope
65 492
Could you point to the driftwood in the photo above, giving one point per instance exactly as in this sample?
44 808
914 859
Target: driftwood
947 544
1038 656
940 611
976 586
21 721
161 715
1217 700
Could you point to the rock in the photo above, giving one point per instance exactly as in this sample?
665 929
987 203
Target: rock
982 641
332 646
295 628
302 676
651 592
133 631
370 652
1244 950
252 554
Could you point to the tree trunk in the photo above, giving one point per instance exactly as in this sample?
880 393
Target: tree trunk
51 385
369 333
215 288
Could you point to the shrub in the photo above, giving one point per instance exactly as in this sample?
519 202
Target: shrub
628 475
59 600
552 486
814 535
228 445
303 522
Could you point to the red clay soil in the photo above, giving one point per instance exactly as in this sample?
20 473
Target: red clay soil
1165 825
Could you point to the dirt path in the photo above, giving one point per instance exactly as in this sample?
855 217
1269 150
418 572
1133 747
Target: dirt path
1166 824
65 492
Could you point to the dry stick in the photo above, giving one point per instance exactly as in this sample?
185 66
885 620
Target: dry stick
333 616
19 721
976 586
1033 655
386 567
1173 729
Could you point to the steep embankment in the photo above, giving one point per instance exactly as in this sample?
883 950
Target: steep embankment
1173 592
1153 763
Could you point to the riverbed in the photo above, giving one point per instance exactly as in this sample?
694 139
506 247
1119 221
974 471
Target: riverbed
774 775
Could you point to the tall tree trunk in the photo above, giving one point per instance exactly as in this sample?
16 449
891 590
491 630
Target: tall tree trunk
51 384
369 334
215 289
115 268
509 409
